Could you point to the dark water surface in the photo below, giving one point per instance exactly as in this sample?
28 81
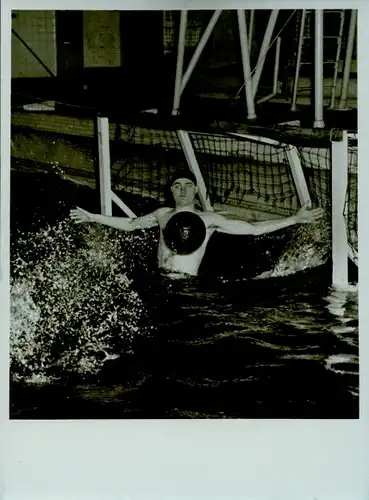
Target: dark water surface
96 332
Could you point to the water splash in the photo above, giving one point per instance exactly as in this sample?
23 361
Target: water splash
72 302
309 248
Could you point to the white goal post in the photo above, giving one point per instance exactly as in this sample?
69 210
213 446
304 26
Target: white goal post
107 196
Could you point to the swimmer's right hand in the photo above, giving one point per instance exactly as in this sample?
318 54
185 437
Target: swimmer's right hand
79 215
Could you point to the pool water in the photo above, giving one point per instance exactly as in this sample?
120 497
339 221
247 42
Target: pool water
97 332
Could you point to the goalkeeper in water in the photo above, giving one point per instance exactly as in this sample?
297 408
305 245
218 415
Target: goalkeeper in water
185 231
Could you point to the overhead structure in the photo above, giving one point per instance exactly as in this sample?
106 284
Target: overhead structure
202 43
320 19
251 78
182 79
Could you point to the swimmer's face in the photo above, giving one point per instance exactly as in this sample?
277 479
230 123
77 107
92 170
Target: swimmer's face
184 192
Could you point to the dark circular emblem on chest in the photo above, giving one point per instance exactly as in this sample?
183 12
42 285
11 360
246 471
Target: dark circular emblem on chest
184 233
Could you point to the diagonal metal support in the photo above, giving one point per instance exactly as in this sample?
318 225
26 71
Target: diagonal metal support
264 49
298 60
348 60
190 155
181 82
200 47
180 58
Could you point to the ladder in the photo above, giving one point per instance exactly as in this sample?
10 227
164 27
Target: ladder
305 57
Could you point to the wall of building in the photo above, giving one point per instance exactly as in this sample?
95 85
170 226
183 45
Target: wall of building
101 39
37 29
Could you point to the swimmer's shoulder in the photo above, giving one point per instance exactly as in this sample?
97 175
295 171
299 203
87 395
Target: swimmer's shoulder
162 213
163 210
211 218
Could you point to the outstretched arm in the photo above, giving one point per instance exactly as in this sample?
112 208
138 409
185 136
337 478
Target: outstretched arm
125 223
238 227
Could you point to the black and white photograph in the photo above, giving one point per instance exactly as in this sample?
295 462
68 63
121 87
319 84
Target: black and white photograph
184 214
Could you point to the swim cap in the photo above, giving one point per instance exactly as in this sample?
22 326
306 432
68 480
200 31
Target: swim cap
183 173
184 233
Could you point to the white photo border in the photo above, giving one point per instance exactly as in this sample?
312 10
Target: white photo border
185 459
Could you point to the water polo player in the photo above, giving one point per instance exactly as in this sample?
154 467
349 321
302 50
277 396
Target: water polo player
185 231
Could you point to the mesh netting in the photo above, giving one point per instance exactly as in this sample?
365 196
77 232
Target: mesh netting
244 177
169 30
317 166
351 205
245 174
241 175
316 163
143 161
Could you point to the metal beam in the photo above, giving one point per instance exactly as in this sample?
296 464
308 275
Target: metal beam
298 60
103 138
192 162
265 46
319 75
180 58
298 176
339 190
337 60
348 60
251 27
200 47
276 73
125 208
245 53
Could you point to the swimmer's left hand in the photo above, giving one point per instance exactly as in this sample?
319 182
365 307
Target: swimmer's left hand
79 215
306 214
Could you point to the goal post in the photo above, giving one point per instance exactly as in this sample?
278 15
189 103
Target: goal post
340 244
298 176
191 159
104 165
107 196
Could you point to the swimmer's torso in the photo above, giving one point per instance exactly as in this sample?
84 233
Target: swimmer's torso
171 261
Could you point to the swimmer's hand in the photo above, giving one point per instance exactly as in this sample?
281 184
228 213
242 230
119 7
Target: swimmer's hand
79 215
308 215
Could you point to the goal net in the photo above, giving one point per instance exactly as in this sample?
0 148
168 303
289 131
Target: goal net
249 177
